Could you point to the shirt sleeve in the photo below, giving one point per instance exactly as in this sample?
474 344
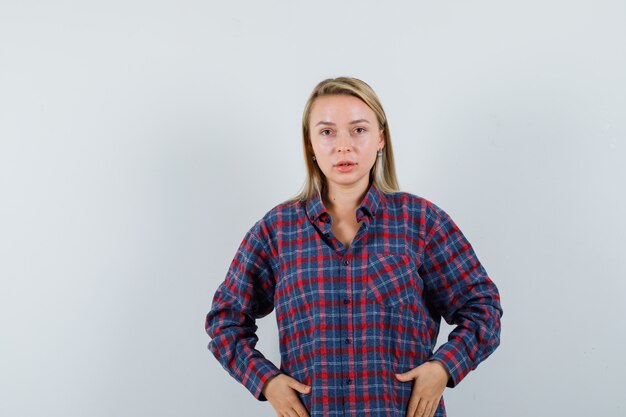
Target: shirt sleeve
458 287
246 294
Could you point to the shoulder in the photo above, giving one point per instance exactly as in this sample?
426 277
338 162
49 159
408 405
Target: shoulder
415 206
288 212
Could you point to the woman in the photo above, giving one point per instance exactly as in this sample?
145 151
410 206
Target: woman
360 275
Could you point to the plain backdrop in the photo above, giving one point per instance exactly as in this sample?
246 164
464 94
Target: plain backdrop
140 140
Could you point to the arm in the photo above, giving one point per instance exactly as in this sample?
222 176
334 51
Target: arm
246 294
459 289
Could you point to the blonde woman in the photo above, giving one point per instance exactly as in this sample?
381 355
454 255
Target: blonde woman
359 274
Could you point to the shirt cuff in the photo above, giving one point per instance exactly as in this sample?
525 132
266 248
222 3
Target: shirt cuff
454 358
260 371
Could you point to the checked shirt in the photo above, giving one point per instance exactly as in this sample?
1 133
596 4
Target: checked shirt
349 318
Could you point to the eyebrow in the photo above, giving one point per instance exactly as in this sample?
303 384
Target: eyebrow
323 122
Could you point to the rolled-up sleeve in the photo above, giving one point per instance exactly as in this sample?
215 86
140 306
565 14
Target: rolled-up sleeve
245 295
459 289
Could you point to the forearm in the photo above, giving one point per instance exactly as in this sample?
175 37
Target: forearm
233 344
475 337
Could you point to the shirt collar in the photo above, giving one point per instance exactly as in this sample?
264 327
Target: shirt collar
372 203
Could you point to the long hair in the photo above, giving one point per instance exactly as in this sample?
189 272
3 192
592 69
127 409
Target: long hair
383 173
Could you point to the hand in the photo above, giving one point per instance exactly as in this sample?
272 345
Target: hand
430 379
280 391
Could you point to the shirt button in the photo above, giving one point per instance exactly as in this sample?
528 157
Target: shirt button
326 234
345 262
347 341
348 381
346 301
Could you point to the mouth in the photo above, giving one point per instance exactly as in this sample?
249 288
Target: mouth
345 163
345 166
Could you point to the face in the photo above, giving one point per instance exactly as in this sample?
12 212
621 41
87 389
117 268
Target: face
345 137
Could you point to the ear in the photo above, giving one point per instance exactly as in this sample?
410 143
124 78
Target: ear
381 139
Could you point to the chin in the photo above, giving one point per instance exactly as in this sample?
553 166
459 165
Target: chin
347 180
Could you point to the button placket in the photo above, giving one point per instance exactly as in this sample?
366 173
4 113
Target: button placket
347 301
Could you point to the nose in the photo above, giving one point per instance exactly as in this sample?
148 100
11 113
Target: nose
344 142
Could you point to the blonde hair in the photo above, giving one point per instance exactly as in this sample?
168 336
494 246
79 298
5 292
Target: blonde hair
383 173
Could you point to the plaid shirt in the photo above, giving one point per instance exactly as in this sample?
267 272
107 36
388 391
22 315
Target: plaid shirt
350 318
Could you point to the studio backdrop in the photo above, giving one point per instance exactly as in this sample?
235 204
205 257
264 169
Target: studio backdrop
140 140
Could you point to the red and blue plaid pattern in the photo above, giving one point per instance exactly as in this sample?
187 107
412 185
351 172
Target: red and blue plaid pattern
351 318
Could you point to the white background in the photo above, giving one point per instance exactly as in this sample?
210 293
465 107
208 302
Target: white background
140 140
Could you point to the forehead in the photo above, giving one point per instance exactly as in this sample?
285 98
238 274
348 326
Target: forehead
340 109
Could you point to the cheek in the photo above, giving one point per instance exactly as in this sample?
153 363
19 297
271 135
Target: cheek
325 145
365 147
368 155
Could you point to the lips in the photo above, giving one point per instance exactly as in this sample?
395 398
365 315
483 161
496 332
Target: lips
345 163
345 166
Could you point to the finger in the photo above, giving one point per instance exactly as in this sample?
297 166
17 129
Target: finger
422 407
298 407
413 404
434 408
414 401
407 376
300 387
300 410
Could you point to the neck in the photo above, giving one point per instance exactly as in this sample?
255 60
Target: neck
345 197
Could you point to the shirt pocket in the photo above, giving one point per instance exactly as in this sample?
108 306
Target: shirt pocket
391 281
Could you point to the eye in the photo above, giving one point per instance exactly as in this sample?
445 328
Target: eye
360 130
326 132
